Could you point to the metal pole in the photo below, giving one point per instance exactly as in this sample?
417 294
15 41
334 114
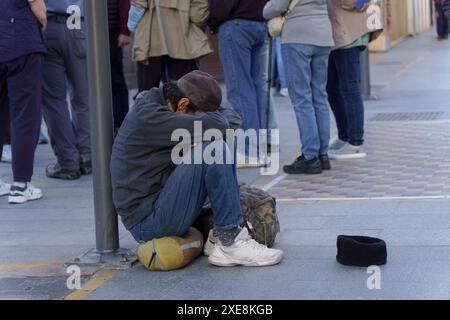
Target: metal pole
365 74
100 99
269 88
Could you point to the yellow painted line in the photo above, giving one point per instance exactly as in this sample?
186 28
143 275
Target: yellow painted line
29 265
406 68
99 280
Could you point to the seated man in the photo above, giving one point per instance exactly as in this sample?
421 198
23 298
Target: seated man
156 198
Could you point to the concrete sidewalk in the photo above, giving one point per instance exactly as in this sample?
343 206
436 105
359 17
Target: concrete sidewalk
410 122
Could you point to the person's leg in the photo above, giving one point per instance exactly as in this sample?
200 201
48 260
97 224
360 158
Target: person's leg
319 67
183 196
25 99
177 68
4 106
280 64
259 34
119 86
150 74
335 97
349 73
75 58
236 52
56 110
441 22
299 58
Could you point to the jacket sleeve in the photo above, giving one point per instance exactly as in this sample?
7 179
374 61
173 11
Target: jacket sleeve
160 123
199 11
275 8
124 8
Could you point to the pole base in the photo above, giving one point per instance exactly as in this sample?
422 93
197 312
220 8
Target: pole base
119 259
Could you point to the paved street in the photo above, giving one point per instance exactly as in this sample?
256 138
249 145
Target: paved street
400 193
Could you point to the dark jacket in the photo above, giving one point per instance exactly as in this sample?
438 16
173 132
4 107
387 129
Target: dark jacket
118 16
225 10
20 31
141 157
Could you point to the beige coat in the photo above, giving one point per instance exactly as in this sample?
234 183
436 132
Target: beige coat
171 27
349 24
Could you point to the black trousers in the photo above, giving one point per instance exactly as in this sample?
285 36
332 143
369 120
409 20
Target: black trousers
119 85
162 68
21 106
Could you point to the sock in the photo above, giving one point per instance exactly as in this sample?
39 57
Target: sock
227 237
20 184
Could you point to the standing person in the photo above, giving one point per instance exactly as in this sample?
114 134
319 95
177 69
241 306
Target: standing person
119 37
242 32
351 35
65 63
168 37
442 24
307 39
21 48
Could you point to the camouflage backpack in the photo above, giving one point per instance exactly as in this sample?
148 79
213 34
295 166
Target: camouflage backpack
259 209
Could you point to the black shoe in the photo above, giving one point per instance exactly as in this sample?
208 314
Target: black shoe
56 172
85 165
301 165
325 161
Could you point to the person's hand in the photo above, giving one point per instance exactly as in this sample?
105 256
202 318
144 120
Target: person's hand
123 40
365 7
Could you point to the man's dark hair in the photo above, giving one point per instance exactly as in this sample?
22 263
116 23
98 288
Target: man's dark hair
174 94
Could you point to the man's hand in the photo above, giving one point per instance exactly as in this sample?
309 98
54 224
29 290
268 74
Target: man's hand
365 7
40 12
123 40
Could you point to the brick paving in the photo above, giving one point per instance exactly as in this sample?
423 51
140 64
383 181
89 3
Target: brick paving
405 159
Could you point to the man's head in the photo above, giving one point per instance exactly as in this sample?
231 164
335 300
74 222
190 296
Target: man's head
195 92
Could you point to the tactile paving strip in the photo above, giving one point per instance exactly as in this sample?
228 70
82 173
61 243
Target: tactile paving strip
408 116
405 159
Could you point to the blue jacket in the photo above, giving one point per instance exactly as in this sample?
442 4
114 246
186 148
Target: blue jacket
20 31
60 6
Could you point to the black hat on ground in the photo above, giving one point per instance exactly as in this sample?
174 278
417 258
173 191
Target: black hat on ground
361 251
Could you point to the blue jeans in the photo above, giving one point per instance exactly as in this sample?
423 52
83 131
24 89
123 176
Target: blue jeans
307 79
183 197
344 92
278 63
240 43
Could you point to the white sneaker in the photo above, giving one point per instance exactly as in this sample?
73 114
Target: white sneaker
210 244
246 252
4 188
347 152
21 195
284 92
336 143
6 154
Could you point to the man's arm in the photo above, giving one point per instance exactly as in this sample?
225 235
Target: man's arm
275 8
199 11
220 11
158 122
124 36
40 11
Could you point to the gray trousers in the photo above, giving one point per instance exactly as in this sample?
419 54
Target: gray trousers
65 70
